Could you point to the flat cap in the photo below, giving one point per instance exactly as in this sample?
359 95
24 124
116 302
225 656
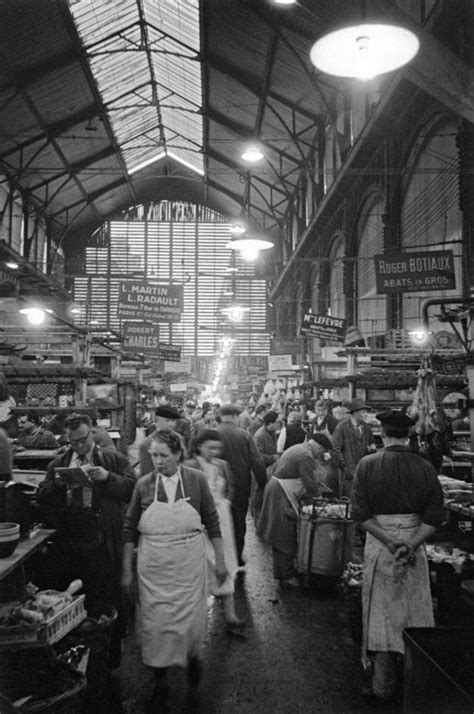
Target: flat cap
167 413
395 417
356 406
230 410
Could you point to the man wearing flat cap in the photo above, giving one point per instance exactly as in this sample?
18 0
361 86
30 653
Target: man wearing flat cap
352 439
302 470
398 500
241 453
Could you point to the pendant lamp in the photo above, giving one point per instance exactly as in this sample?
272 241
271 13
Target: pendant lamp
365 48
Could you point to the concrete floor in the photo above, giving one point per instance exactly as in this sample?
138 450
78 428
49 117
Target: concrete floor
297 657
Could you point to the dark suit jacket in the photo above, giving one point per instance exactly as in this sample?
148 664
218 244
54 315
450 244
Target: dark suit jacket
349 445
108 497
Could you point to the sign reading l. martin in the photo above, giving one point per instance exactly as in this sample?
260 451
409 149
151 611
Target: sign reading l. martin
140 337
155 303
323 326
415 272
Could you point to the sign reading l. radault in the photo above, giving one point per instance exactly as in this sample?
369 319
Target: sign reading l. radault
323 326
415 272
156 303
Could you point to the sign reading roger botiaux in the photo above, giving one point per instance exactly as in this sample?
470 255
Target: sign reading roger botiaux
155 303
415 272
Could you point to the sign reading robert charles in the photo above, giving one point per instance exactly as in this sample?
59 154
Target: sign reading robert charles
323 326
140 337
156 303
415 272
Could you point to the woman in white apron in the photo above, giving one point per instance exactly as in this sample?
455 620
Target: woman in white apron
219 477
170 507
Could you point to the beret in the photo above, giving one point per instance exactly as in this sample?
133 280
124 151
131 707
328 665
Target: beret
394 417
270 417
167 413
322 440
230 410
356 405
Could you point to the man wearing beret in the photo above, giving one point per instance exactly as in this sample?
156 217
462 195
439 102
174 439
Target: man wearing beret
241 453
398 499
352 439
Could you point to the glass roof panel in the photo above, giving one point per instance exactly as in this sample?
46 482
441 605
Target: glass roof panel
148 74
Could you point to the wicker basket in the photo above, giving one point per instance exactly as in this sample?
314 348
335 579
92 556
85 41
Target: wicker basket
51 631
56 688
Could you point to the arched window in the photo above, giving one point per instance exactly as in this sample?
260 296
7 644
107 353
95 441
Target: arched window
430 216
371 308
337 305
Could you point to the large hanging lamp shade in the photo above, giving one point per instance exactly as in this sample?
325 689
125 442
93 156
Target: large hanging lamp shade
249 248
364 50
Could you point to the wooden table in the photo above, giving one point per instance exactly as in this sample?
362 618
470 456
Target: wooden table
34 458
25 548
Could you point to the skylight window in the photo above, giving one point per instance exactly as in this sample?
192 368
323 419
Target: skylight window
149 76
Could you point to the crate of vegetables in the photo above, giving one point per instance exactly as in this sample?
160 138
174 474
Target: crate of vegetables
42 616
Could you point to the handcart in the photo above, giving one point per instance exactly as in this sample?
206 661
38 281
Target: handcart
325 536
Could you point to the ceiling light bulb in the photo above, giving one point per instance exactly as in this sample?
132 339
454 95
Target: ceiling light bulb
364 51
249 253
236 229
252 154
34 315
12 265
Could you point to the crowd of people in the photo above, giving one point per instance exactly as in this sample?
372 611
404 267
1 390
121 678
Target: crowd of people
182 505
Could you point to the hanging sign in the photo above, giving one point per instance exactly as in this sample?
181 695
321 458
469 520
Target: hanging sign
323 326
172 353
279 362
157 303
184 365
140 337
415 272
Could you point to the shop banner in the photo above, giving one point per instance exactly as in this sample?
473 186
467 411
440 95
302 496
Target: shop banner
172 353
140 337
415 272
138 300
279 362
184 365
323 326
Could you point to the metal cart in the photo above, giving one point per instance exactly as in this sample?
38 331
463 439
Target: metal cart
325 536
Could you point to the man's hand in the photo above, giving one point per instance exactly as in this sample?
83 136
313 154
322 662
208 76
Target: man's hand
96 474
395 545
404 554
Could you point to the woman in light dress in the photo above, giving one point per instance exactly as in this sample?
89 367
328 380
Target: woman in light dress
219 477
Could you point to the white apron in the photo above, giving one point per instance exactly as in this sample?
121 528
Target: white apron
293 489
393 596
171 570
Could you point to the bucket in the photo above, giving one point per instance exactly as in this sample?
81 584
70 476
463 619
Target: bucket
324 545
